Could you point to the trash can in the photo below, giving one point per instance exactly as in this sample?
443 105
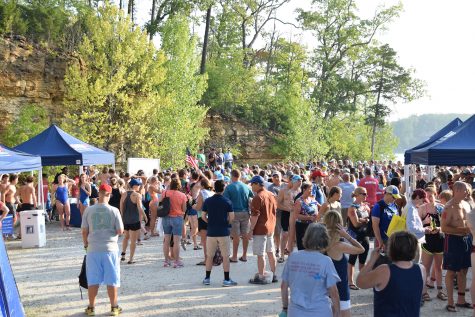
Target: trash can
33 233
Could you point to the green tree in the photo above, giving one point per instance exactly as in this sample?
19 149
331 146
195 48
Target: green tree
31 120
11 20
112 92
184 87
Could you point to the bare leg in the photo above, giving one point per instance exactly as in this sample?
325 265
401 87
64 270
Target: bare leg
449 283
203 241
166 247
133 243
112 292
92 291
271 257
125 241
261 264
153 217
283 242
427 263
462 283
194 229
60 211
351 270
67 213
235 247
437 268
245 245
176 247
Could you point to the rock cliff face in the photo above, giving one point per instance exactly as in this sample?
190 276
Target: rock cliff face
32 75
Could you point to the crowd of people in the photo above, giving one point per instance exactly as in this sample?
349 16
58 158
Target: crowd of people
316 219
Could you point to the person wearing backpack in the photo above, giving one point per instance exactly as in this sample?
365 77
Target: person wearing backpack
217 212
382 214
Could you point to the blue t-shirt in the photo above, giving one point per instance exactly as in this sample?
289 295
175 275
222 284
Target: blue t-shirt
217 208
384 216
317 192
239 194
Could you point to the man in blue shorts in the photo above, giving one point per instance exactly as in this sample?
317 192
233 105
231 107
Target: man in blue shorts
101 227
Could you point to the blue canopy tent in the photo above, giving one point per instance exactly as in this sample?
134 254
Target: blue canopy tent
455 148
12 161
56 147
451 126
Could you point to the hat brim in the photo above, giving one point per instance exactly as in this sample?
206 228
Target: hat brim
397 196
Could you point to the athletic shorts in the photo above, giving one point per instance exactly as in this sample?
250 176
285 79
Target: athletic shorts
23 207
103 268
132 227
212 244
172 225
434 244
284 220
240 225
11 208
202 225
262 244
457 251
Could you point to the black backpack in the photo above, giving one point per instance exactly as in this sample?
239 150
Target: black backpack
82 276
164 209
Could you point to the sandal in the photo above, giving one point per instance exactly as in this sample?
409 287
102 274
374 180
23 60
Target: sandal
122 256
199 248
426 297
242 259
441 295
430 286
450 308
233 261
355 288
465 305
201 263
131 262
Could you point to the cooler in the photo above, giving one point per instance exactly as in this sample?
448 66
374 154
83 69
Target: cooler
33 233
75 219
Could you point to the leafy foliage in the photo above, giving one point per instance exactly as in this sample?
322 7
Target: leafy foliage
31 120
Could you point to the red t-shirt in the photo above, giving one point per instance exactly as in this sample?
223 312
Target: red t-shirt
177 199
372 185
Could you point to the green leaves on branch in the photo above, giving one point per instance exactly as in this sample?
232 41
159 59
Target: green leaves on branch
31 120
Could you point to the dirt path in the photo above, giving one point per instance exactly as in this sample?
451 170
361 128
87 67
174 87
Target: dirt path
48 284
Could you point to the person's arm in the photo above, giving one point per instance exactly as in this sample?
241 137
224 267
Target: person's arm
85 233
335 298
230 216
353 247
199 203
284 292
122 201
183 205
280 198
368 278
4 213
139 206
204 216
33 194
377 232
355 221
322 211
252 226
87 189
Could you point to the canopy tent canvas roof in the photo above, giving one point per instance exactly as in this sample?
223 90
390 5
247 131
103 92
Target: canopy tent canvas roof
57 147
12 161
451 126
455 148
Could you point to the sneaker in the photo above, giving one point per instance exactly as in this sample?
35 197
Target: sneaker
228 283
206 281
90 311
115 311
258 280
167 263
178 264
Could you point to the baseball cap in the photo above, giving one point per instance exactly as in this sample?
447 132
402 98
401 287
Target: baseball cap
296 178
467 171
227 179
257 180
318 174
219 176
105 188
135 182
393 191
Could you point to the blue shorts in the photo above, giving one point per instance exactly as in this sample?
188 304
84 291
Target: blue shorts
192 212
172 225
457 252
103 268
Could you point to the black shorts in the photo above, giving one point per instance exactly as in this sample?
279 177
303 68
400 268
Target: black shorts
284 220
23 207
11 208
457 252
434 244
132 227
202 225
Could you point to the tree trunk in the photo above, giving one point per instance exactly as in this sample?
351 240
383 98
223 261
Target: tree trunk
376 112
205 42
121 4
130 9
152 19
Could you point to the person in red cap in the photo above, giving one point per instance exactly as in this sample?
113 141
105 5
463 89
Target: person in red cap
101 227
318 187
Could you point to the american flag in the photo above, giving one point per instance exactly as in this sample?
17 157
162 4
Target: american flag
190 160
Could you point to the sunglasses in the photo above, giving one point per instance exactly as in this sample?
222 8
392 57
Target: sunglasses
363 194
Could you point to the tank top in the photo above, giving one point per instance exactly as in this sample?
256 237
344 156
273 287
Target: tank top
131 211
360 213
309 209
115 198
335 206
341 267
402 296
205 194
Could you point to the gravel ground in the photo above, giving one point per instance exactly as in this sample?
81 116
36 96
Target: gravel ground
48 284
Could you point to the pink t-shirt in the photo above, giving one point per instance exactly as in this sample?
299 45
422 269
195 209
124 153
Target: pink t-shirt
372 185
177 199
